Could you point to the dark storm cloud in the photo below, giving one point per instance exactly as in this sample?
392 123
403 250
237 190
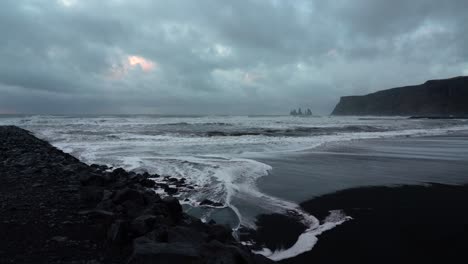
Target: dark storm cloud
236 57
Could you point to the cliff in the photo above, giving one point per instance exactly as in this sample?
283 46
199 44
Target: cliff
433 98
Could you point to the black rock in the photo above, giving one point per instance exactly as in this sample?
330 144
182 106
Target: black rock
220 233
91 195
170 190
128 194
147 183
143 224
98 167
117 234
95 179
151 197
132 208
159 234
174 207
120 172
158 209
182 234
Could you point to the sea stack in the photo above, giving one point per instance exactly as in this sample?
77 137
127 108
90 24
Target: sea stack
448 97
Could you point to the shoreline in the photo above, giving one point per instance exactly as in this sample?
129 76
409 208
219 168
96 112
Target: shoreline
405 224
393 222
56 209
101 211
399 224
367 162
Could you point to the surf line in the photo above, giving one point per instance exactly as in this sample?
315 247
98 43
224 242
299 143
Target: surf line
308 239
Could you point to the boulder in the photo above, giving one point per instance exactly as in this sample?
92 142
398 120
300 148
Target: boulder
99 167
151 197
119 172
91 195
94 179
117 234
147 183
220 233
170 190
128 194
183 234
159 234
143 224
133 209
174 207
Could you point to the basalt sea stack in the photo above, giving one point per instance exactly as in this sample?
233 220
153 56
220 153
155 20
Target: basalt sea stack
446 97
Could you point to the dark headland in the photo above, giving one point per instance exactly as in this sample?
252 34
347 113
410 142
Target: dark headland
56 209
437 98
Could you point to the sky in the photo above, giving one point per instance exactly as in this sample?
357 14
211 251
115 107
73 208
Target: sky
220 57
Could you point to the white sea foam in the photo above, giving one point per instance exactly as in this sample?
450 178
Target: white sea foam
307 240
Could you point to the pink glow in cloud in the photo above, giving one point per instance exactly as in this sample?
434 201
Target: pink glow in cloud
119 70
145 64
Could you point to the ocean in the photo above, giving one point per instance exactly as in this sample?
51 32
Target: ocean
242 162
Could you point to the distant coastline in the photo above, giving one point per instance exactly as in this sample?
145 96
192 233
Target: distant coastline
438 98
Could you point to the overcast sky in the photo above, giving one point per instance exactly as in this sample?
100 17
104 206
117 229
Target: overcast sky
220 57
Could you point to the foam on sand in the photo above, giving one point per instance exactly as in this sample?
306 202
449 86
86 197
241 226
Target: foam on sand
307 240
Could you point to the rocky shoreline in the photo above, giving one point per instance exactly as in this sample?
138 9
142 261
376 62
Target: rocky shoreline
56 209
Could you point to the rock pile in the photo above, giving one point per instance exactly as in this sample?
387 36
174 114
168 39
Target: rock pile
117 212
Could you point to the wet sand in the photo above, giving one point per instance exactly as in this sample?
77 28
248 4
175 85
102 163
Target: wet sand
405 220
376 162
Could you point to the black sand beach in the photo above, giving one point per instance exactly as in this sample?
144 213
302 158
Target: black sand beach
407 224
55 209
370 162
405 220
